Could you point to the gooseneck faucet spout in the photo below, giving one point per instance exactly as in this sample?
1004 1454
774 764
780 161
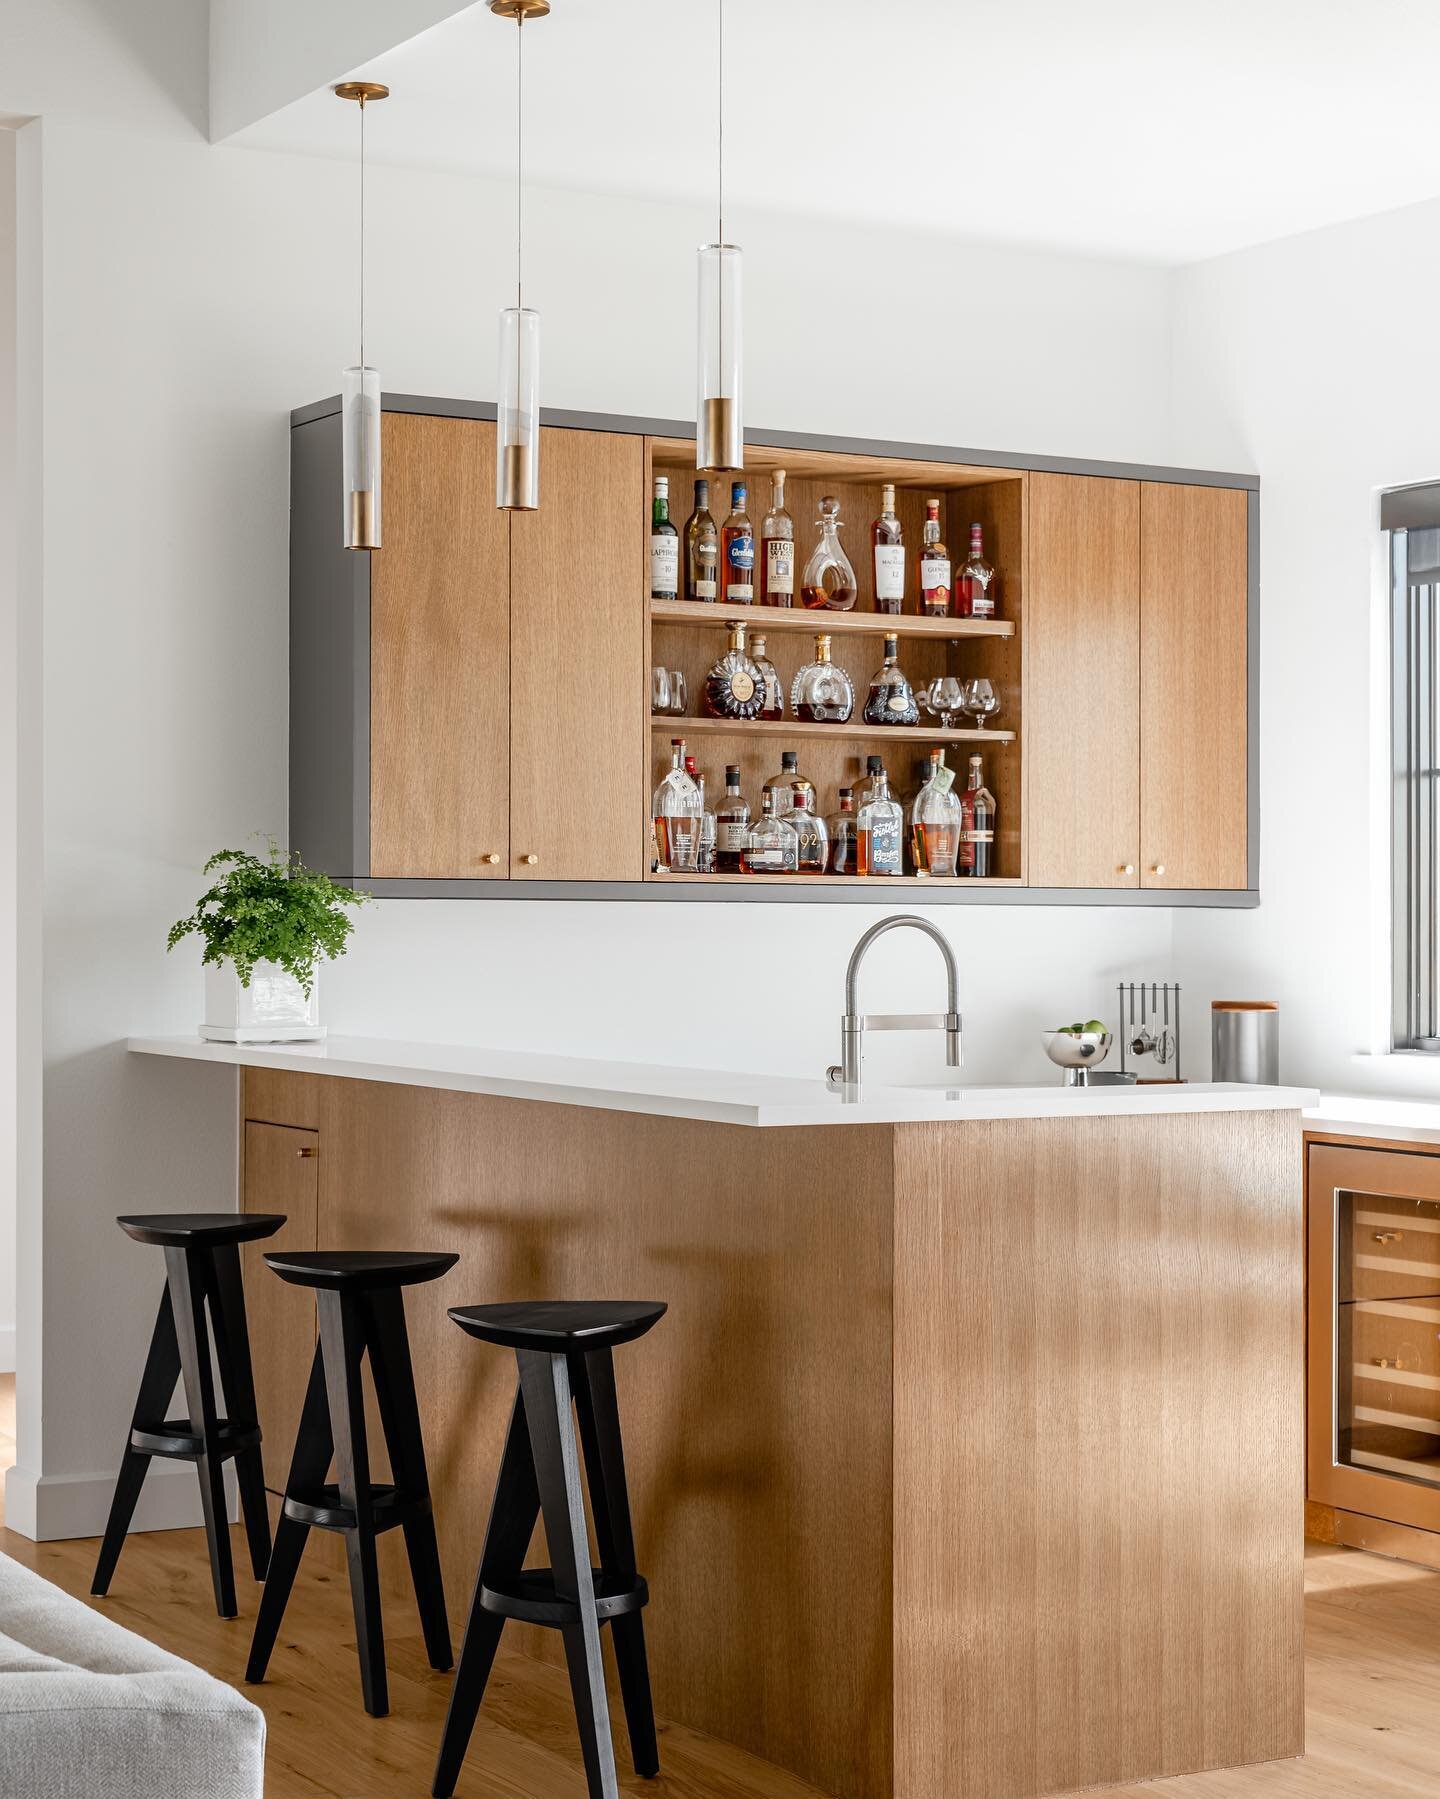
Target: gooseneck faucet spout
854 1024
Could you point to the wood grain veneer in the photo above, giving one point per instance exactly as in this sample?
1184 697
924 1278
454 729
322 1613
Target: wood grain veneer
281 1175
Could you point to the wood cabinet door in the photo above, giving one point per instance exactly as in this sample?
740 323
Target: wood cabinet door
579 720
281 1175
1082 625
1194 562
440 656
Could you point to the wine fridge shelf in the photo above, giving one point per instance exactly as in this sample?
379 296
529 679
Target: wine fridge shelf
704 615
879 882
669 725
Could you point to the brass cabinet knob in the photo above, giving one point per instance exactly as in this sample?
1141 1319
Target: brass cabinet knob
1158 869
492 858
1127 868
308 1150
530 861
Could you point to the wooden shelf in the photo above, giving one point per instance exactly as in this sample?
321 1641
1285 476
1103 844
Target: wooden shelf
767 619
878 881
671 726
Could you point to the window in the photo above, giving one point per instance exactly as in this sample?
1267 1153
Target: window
1411 516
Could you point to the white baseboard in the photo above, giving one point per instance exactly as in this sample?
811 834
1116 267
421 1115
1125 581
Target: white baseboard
49 1507
7 1348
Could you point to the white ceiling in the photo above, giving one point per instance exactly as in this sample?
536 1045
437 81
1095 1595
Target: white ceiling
1142 129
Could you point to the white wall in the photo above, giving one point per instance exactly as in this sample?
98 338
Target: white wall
9 749
1312 360
186 297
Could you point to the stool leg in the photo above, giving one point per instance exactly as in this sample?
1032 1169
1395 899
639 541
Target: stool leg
309 1465
187 1290
237 1377
342 1341
157 1384
545 1380
599 1415
513 1512
394 1377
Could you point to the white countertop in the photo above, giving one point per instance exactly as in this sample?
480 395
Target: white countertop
709 1094
1376 1115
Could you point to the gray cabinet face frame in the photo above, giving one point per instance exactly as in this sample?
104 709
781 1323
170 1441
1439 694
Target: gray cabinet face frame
330 675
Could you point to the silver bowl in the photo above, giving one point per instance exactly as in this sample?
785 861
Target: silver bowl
1077 1055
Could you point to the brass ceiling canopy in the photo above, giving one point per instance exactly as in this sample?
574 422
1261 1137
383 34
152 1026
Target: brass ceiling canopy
361 91
519 9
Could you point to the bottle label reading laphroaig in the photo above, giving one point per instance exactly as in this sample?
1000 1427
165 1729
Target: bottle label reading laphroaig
664 563
889 571
779 565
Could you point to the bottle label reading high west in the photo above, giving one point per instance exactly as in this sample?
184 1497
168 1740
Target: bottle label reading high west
664 565
779 565
889 571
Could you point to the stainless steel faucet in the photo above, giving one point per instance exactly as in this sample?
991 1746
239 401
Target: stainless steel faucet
854 1025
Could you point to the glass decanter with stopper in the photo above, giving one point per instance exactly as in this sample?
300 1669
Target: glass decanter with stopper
732 824
734 687
935 821
676 813
782 788
977 850
891 699
881 830
822 693
812 838
841 826
771 848
774 706
829 578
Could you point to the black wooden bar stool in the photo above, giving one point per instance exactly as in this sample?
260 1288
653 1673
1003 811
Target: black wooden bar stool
361 1309
564 1352
202 1263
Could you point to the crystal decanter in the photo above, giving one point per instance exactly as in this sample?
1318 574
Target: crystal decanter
734 687
829 578
891 699
822 693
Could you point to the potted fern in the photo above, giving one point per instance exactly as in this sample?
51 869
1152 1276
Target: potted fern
266 922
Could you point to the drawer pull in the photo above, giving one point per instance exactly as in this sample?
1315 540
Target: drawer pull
491 859
308 1150
1387 1236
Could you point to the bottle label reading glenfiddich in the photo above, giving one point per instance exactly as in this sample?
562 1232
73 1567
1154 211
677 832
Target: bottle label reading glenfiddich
706 556
741 585
889 571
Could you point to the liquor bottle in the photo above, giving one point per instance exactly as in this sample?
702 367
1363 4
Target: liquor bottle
841 826
812 837
732 824
977 593
675 815
881 827
977 855
874 765
888 542
771 848
934 567
774 696
734 687
935 821
891 699
702 548
829 579
664 545
705 855
781 788
777 569
822 693
737 552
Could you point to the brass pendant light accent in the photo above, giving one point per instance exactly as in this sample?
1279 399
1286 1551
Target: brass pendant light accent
360 402
719 425
517 396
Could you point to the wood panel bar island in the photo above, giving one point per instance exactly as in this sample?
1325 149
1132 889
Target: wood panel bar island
968 1459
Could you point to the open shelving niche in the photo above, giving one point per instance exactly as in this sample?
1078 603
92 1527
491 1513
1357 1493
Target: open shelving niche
689 636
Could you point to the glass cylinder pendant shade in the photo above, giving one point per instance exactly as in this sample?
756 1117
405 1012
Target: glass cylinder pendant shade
719 431
517 434
360 434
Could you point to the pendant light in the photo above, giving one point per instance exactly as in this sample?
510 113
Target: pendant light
719 429
517 397
360 411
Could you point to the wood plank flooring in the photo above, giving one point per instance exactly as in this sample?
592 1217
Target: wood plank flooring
1372 1681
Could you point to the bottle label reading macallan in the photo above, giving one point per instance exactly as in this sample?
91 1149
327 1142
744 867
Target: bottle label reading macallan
779 565
935 579
889 571
664 563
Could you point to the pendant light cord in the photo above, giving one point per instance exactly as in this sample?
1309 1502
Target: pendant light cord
519 158
720 109
362 240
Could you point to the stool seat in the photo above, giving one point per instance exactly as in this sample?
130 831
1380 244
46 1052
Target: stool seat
555 1325
200 1230
339 1270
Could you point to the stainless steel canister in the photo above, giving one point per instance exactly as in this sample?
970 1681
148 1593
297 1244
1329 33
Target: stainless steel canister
1245 1041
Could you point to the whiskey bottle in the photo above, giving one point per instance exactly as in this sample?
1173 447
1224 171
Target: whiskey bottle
737 552
829 578
705 855
888 542
777 568
934 567
977 855
774 706
781 788
881 827
734 687
874 765
664 545
771 848
732 824
811 836
935 821
822 693
977 593
675 814
841 826
702 548
891 699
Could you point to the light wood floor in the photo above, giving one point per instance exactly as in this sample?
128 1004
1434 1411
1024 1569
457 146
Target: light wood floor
1372 1678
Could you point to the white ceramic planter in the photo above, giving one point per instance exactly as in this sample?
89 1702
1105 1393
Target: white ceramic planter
272 1009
